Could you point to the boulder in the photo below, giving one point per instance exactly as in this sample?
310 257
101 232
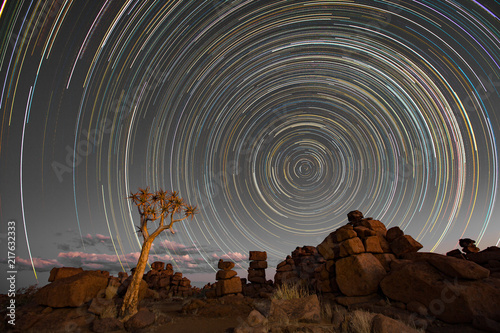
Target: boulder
482 257
143 288
225 265
255 319
57 273
405 244
73 291
143 318
364 232
393 233
344 233
351 246
306 310
372 244
354 216
384 324
224 275
258 255
229 286
103 307
485 324
385 259
157 265
450 266
359 275
374 225
350 300
450 300
258 264
329 248
384 244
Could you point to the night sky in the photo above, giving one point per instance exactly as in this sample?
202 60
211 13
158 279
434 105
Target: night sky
275 118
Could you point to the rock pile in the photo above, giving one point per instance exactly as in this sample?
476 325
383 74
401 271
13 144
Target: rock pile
258 286
163 279
227 280
362 263
300 267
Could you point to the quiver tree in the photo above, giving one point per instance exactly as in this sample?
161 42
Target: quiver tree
160 206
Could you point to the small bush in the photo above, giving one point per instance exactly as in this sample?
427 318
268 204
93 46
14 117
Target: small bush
291 291
26 295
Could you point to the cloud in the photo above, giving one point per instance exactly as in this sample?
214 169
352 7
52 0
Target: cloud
234 256
87 241
41 265
172 246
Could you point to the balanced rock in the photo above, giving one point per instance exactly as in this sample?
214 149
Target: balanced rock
354 216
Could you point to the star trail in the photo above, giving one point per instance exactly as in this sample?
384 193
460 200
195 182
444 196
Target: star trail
275 118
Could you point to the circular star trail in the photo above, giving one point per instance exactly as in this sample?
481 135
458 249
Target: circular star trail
275 118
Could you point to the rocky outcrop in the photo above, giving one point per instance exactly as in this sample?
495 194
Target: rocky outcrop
452 300
363 263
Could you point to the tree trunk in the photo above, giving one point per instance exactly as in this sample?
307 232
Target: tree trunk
131 300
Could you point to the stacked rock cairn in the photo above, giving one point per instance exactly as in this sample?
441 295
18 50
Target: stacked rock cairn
227 280
258 286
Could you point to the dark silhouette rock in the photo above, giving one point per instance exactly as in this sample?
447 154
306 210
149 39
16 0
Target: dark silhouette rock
354 216
73 291
483 257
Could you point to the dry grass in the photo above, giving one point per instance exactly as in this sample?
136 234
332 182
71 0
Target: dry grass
360 322
291 291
